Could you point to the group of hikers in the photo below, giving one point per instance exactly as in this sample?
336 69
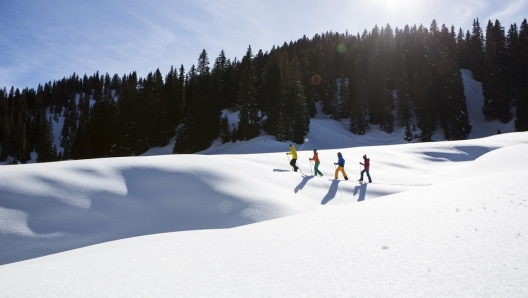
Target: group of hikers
340 164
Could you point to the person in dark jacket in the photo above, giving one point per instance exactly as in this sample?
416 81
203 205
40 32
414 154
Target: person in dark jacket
341 166
366 165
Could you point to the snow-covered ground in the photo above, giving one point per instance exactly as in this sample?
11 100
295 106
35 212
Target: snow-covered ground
442 219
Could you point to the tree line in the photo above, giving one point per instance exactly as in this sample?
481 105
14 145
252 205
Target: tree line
408 77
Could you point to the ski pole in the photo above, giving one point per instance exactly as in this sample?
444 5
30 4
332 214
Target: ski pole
289 160
310 166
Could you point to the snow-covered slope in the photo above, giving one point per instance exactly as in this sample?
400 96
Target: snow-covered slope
442 219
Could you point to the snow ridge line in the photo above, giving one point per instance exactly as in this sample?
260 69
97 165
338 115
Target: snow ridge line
459 151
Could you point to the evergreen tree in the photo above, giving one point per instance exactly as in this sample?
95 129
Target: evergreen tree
287 112
160 127
462 49
300 125
69 128
476 52
127 140
408 136
273 97
200 125
359 116
174 86
46 150
218 75
249 123
514 67
422 87
378 94
225 133
495 86
402 86
100 130
521 112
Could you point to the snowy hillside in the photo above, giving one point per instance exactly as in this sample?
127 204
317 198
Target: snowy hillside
441 219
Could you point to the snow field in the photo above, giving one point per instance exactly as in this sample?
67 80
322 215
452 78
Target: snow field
444 219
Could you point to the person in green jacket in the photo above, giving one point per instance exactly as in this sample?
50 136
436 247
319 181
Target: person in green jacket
293 161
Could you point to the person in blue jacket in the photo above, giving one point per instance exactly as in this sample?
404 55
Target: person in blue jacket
341 166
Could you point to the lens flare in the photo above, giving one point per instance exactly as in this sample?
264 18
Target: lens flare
225 207
342 48
316 79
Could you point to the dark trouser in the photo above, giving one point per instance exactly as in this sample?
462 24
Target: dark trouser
293 164
316 169
368 175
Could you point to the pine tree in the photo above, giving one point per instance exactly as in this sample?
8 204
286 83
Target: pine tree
476 52
422 84
45 146
218 75
200 125
295 97
4 125
225 133
514 67
286 112
408 136
69 128
378 93
272 95
359 116
403 92
495 86
127 121
521 112
174 96
100 130
249 123
462 50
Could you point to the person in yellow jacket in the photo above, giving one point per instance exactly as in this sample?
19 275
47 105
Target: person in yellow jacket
293 161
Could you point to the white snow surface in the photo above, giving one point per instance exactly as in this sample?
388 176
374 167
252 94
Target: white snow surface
442 219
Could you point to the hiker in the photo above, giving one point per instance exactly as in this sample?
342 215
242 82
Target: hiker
367 168
341 166
293 161
315 158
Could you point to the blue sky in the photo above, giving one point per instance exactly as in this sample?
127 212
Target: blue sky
42 41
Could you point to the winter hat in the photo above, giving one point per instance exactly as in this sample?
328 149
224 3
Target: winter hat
315 150
365 156
291 145
338 153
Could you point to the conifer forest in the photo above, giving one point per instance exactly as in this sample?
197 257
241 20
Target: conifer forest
390 77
